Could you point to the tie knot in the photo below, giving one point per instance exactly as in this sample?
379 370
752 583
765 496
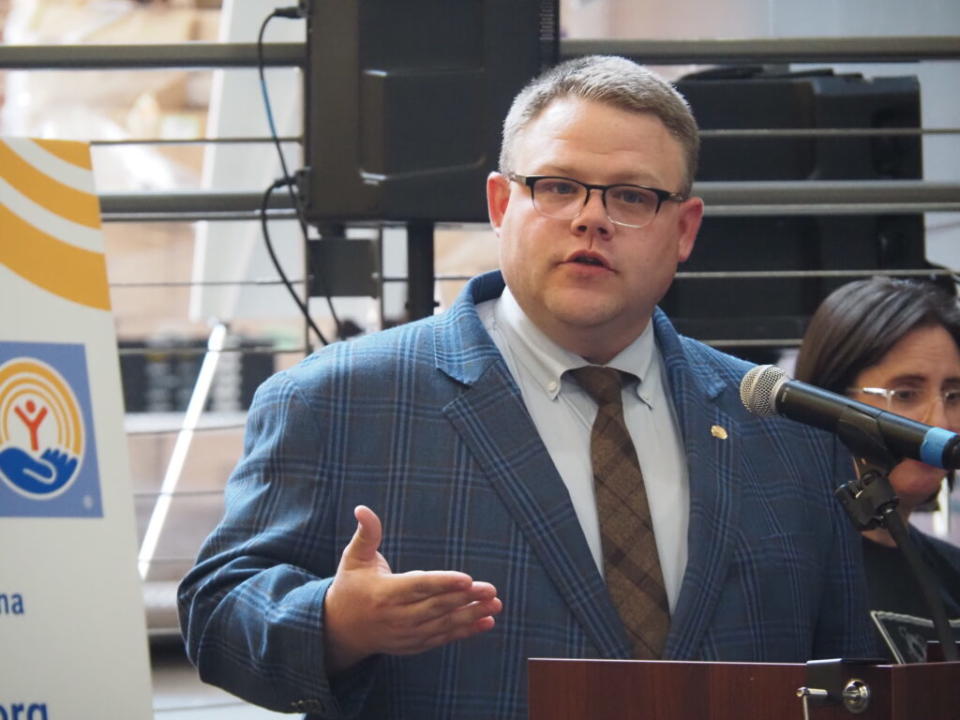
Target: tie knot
602 383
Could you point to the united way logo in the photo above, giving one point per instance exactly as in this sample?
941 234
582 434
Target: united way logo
48 462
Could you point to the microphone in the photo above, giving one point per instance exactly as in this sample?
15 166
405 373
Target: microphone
767 390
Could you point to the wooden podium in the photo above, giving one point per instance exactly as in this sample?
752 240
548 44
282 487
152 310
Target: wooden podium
673 690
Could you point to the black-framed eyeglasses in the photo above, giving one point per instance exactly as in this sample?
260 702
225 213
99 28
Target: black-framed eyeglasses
564 198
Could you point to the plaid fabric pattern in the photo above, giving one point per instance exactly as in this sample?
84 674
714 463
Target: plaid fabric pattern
630 561
424 424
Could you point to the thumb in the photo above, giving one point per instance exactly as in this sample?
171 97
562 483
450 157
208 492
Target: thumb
365 542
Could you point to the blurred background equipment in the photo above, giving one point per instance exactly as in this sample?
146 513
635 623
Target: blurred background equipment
805 128
404 102
389 114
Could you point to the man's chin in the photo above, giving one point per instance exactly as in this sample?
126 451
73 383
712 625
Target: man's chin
584 312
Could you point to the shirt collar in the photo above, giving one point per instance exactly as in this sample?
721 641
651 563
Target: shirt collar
546 362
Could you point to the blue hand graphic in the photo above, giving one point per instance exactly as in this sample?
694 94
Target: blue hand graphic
32 475
17 464
63 462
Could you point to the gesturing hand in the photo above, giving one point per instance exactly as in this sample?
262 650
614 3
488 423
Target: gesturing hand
368 609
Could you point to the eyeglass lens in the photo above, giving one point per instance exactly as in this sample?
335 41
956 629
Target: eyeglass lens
564 199
915 402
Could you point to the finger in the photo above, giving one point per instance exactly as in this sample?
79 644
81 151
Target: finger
442 604
460 632
418 585
465 622
365 542
463 616
449 620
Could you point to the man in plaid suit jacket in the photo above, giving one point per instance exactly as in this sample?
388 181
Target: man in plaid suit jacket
399 537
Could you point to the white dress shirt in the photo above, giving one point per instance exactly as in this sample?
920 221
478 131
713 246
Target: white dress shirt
563 414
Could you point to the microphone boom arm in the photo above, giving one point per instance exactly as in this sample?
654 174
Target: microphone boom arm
879 441
870 501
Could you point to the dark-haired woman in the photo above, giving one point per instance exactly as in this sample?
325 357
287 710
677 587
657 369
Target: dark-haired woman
895 344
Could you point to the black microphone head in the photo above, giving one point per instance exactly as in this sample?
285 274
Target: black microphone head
758 389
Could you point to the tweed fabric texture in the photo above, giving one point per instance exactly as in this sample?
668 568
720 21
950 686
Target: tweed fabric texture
630 560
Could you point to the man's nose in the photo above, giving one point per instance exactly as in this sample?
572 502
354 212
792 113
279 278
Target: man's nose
593 215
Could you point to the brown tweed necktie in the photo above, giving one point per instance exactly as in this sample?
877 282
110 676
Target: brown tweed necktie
630 561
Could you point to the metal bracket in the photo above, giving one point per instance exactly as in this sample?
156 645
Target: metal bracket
831 682
342 267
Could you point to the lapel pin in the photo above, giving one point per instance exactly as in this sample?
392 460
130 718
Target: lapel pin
718 432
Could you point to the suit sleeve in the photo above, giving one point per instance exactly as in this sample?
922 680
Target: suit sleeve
251 609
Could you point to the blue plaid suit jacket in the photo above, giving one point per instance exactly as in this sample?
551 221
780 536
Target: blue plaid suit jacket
424 424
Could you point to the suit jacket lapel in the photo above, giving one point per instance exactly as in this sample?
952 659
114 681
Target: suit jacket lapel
492 420
713 457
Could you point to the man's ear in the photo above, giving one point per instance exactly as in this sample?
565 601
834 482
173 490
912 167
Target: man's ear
688 224
498 195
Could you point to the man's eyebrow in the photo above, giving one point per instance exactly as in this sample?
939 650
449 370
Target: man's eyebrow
624 179
556 171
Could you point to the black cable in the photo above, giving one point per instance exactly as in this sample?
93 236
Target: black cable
288 12
929 586
276 261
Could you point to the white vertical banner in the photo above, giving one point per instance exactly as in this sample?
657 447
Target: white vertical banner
73 640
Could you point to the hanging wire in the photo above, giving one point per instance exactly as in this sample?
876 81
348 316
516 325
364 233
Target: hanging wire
288 180
264 225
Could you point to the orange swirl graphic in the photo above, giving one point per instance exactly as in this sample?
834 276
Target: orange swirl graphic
71 151
60 268
21 377
47 192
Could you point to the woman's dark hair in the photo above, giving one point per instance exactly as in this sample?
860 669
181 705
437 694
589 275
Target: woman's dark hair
858 323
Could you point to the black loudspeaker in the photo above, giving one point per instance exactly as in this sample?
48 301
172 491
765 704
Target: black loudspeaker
777 308
772 308
746 98
405 100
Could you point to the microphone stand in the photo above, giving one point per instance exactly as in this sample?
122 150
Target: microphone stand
871 502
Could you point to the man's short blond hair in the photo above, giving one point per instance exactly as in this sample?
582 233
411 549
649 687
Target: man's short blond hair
613 80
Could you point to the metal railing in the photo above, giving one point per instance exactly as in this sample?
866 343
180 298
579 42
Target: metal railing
722 198
660 52
800 197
